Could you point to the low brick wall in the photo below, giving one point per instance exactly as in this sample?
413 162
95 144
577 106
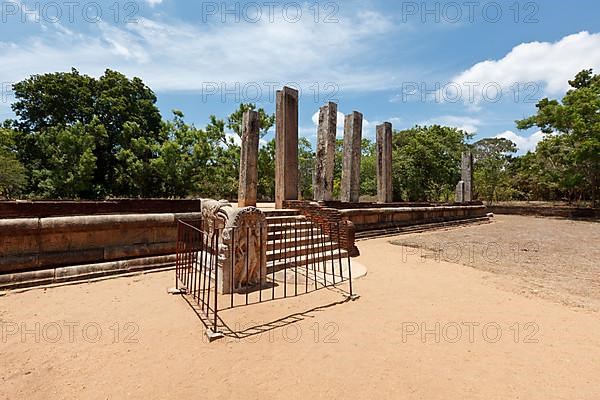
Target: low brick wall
366 219
328 218
34 244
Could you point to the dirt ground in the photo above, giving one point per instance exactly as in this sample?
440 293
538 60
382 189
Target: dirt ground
422 329
556 259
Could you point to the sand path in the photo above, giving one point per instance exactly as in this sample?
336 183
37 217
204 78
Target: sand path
371 348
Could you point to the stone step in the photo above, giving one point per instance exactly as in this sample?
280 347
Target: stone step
291 252
419 228
283 243
291 227
285 219
281 213
291 234
308 259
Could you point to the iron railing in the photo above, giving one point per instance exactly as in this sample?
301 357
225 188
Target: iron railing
302 257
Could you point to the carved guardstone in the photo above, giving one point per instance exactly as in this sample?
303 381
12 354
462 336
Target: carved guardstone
242 258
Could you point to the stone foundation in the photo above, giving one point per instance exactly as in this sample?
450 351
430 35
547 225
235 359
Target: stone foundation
35 244
366 219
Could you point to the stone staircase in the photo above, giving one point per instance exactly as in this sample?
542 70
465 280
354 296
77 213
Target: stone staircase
293 240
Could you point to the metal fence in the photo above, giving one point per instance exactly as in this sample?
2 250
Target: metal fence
303 256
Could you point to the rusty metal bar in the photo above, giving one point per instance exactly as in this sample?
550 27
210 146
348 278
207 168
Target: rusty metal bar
273 267
340 251
331 253
285 262
295 257
260 265
247 262
232 264
216 306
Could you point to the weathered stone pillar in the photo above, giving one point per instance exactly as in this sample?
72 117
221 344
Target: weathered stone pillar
248 184
460 192
325 157
467 176
286 146
384 163
352 153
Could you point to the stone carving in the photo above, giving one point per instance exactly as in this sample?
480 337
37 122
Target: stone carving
242 258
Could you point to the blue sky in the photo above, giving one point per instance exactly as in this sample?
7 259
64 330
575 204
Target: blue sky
475 65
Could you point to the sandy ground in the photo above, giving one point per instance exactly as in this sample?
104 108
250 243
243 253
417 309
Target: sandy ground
421 330
556 259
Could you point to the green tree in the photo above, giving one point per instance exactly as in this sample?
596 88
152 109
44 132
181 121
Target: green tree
426 162
67 172
577 117
266 171
491 159
12 173
183 158
12 176
126 124
368 168
306 168
234 121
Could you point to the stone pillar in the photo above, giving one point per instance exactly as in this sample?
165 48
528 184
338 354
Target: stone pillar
352 153
384 163
467 176
460 192
248 184
325 157
286 146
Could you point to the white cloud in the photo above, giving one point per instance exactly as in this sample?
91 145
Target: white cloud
524 143
551 65
178 56
467 124
368 126
153 3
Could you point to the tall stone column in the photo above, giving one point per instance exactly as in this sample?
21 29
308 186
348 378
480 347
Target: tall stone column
248 184
286 146
384 163
352 153
467 176
325 157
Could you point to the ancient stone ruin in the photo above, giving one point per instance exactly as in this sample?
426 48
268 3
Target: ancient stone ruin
464 188
242 259
248 183
325 157
352 155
